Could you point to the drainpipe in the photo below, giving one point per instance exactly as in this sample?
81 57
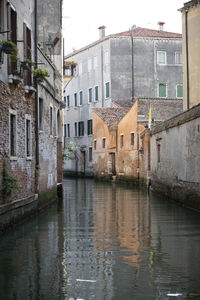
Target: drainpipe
187 58
102 79
36 106
132 64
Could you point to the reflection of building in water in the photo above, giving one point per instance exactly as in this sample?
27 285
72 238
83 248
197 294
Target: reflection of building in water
81 259
29 266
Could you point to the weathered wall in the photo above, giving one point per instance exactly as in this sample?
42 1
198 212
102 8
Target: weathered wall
193 52
178 172
127 156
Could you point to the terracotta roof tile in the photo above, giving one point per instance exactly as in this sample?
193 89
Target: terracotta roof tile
111 115
122 104
146 32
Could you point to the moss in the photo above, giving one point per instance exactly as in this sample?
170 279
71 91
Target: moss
47 197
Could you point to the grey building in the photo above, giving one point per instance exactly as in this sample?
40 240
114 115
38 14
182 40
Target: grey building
133 64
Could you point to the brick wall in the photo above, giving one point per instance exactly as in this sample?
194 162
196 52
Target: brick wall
21 167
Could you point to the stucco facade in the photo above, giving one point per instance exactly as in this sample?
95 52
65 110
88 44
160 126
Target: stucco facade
191 46
105 68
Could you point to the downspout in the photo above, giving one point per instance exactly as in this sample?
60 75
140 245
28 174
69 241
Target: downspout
187 58
36 106
132 64
102 80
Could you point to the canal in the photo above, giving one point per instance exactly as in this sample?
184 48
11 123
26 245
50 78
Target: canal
102 242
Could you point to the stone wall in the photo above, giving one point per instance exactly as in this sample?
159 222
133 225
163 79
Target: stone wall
175 157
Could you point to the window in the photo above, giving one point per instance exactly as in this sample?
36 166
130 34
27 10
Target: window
107 89
13 132
1 16
89 127
40 121
90 95
51 120
81 97
68 130
158 153
89 64
65 100
162 93
179 91
81 128
96 93
68 101
12 34
76 129
95 144
75 100
178 58
121 140
161 57
90 153
27 53
132 138
28 136
103 142
65 130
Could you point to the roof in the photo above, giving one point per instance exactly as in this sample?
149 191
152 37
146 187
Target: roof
111 115
146 32
138 32
121 104
161 108
190 4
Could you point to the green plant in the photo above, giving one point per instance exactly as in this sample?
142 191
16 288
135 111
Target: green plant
39 44
40 73
10 48
9 182
70 151
32 63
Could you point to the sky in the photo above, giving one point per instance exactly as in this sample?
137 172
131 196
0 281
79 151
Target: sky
81 18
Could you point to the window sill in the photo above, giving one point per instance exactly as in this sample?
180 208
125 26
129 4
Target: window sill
13 158
29 158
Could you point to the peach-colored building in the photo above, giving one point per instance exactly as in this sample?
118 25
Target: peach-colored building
117 145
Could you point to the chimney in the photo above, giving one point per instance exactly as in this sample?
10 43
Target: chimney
101 32
161 25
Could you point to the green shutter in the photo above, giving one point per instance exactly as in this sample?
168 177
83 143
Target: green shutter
162 90
179 91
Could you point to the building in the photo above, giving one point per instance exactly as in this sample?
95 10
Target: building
117 144
30 115
174 144
191 60
102 72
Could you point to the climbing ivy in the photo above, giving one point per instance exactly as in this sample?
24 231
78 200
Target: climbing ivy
9 182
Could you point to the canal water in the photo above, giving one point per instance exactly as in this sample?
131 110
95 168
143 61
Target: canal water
103 241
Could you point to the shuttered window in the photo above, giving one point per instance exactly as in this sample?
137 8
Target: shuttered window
27 53
179 91
89 127
12 35
162 91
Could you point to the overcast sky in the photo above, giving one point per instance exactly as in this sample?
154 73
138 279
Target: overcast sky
81 18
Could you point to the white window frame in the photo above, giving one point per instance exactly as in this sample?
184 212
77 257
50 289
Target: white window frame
68 131
90 88
90 154
13 112
50 129
80 97
178 53
177 90
159 52
132 132
108 82
96 100
29 157
76 131
75 97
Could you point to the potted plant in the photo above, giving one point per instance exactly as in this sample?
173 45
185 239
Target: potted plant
9 47
40 73
27 64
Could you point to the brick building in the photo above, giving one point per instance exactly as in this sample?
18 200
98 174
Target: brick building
30 115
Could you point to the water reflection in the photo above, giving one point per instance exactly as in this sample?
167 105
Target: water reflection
103 242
